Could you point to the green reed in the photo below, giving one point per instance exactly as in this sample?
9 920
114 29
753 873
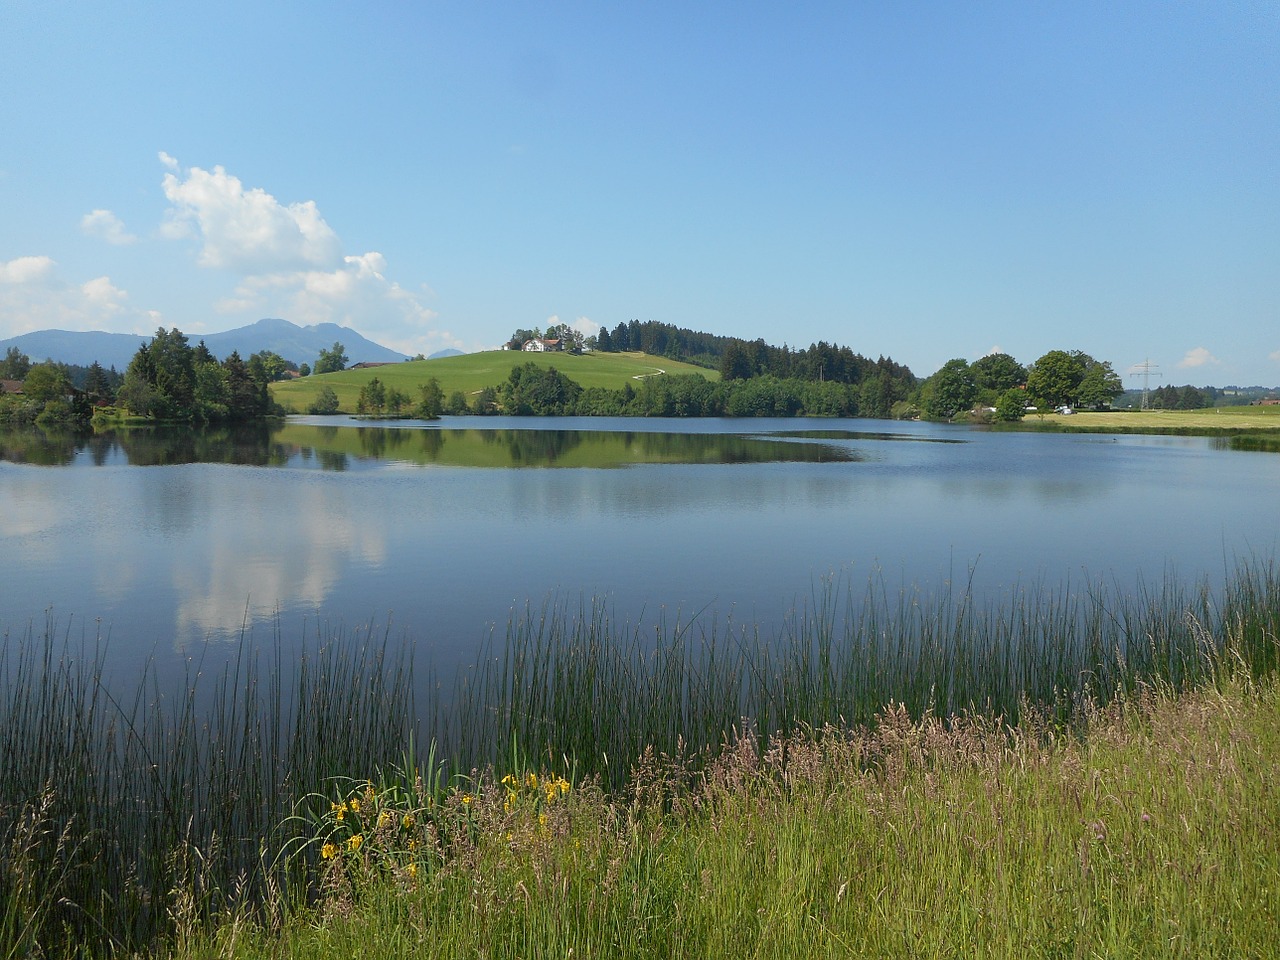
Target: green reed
585 688
134 809
144 803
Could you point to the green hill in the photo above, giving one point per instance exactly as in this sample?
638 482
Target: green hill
472 372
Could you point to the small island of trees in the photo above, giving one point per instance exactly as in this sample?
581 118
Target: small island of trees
170 380
167 380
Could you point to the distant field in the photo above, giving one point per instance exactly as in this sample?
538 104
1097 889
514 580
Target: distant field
1171 421
473 372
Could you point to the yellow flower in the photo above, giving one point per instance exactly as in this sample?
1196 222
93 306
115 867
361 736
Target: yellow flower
384 819
355 805
412 869
509 780
542 819
328 851
532 780
342 812
354 842
408 821
466 799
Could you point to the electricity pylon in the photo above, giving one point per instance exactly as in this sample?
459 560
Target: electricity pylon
1147 370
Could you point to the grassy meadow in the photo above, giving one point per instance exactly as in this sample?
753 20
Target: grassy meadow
472 372
1208 421
1153 833
1076 774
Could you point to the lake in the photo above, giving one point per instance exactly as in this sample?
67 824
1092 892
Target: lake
174 543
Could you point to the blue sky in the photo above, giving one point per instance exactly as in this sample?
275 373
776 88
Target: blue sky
922 181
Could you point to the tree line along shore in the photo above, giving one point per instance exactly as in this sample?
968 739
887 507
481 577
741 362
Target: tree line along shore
637 369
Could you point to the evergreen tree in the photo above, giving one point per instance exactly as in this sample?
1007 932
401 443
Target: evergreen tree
97 383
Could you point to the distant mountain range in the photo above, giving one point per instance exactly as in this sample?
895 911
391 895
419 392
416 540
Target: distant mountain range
299 344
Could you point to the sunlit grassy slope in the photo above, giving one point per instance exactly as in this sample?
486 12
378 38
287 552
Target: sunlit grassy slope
474 371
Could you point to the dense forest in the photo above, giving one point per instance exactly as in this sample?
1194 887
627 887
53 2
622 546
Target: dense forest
757 379
738 359
1188 397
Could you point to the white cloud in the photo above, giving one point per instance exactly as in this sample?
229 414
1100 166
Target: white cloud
290 263
33 297
356 294
104 295
105 225
245 230
1197 357
26 270
1274 355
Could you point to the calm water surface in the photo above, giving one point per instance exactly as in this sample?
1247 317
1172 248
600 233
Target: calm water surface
441 533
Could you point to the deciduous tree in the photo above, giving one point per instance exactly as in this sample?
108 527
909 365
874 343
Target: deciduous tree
950 390
44 382
373 397
998 372
1099 384
326 401
1012 405
332 360
1054 379
15 366
431 400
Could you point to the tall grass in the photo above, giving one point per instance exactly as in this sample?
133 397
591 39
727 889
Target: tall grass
135 810
1153 835
583 687
128 805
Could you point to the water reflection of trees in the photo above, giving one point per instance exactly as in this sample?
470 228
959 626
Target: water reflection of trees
529 448
248 444
506 447
43 448
333 448
728 448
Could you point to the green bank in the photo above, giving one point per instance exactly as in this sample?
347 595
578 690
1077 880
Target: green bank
1053 775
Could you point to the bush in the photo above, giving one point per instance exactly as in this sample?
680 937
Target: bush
325 403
